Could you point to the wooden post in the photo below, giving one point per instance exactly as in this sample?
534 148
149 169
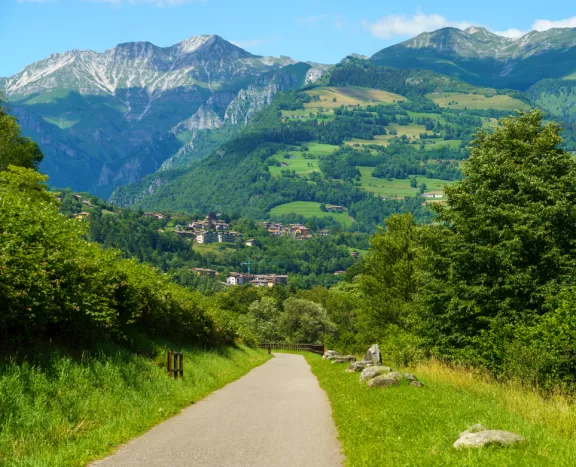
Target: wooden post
181 365
169 363
269 349
175 365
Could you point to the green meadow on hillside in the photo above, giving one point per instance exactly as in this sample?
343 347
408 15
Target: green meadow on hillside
397 188
302 162
457 100
309 209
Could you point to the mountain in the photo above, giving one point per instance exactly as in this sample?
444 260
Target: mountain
483 58
110 118
365 138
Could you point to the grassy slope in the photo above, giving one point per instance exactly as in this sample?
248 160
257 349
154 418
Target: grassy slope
309 209
71 411
477 101
416 426
397 188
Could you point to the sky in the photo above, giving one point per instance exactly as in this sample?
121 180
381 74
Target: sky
322 31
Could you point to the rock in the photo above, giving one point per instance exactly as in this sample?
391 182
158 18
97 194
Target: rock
395 375
346 359
418 384
330 355
373 355
382 381
357 366
483 438
410 377
473 429
373 371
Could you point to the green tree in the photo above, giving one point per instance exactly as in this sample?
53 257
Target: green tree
305 321
506 245
16 149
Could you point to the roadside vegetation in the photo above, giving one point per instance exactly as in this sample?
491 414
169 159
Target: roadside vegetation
66 410
408 426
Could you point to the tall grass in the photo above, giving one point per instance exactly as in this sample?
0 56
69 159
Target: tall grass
411 426
65 411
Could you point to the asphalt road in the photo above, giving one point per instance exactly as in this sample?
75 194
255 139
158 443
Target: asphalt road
276 415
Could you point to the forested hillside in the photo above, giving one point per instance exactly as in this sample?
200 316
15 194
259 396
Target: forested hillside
368 138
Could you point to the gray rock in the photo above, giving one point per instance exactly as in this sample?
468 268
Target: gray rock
410 377
330 355
483 438
418 384
357 366
395 375
382 381
473 429
373 355
346 359
373 371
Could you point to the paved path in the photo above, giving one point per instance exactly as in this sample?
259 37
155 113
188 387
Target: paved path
276 415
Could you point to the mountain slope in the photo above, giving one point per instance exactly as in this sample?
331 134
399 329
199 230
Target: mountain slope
480 57
367 138
105 119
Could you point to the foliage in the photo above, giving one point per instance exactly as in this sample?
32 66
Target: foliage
304 321
55 284
16 149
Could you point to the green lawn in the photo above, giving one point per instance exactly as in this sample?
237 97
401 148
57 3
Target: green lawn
309 209
409 426
396 188
67 412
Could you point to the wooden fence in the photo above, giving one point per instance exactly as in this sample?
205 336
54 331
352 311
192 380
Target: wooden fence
314 348
178 368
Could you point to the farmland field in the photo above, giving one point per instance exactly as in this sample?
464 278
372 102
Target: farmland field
310 209
397 188
457 100
349 95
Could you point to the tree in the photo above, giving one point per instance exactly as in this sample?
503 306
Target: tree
263 318
16 149
505 248
305 321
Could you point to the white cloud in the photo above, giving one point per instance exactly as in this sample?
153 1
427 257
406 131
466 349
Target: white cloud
545 24
307 20
407 26
511 33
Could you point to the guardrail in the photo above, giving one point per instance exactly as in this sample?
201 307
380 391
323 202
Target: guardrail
314 348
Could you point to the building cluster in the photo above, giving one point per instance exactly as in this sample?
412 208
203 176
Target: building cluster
258 280
297 231
209 231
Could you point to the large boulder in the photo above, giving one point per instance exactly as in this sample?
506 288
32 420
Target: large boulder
373 355
346 359
395 375
330 355
357 366
373 371
382 381
477 436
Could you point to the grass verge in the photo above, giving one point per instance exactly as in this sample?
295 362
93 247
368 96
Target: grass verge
412 426
66 412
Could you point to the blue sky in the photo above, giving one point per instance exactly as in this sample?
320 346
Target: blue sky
317 30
